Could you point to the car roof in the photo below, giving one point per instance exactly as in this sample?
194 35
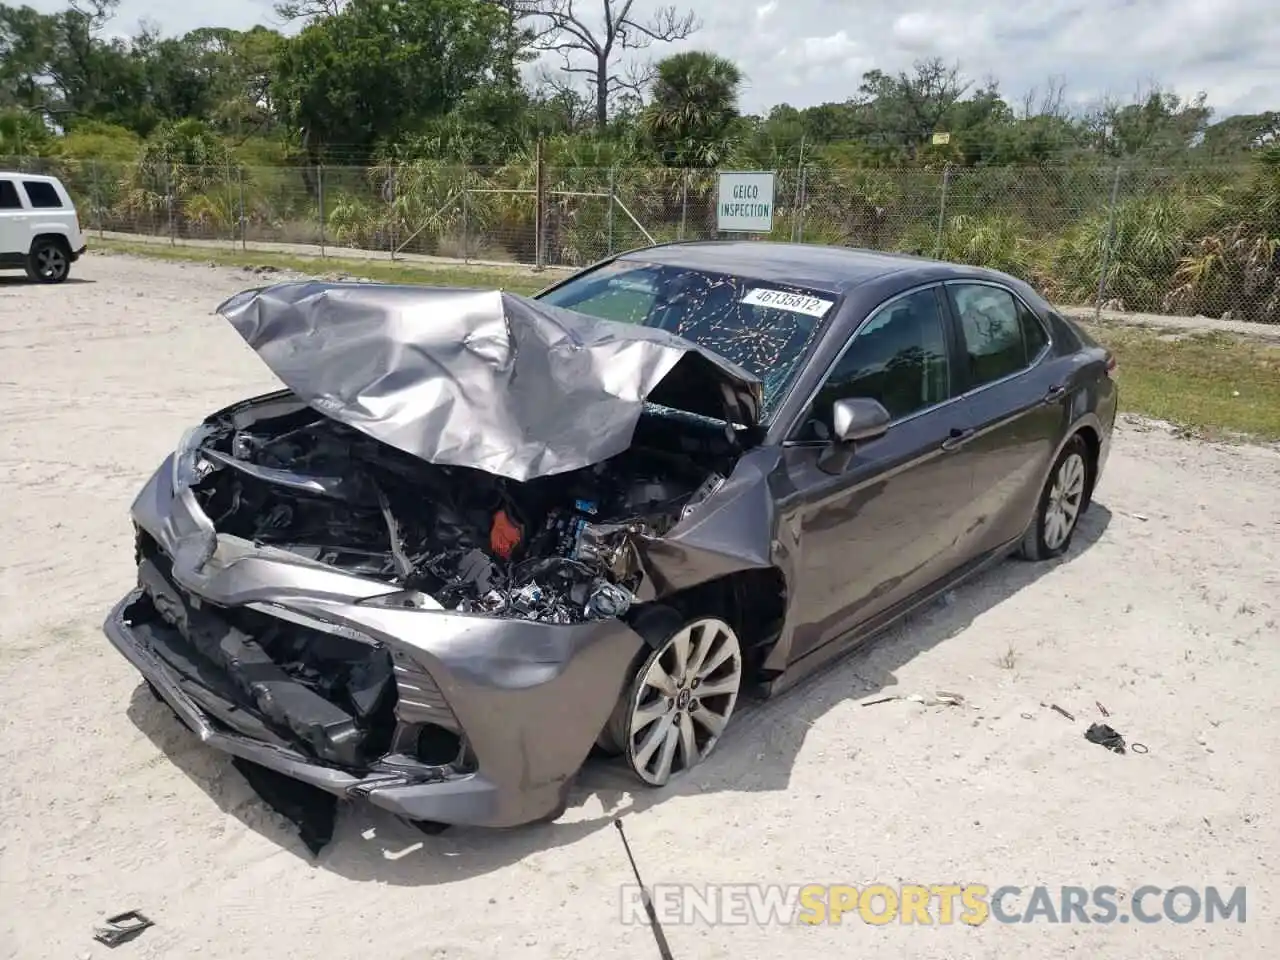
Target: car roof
833 269
39 177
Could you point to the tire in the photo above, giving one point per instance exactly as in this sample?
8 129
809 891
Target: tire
1063 500
49 261
665 722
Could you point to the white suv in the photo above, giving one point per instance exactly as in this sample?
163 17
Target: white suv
39 229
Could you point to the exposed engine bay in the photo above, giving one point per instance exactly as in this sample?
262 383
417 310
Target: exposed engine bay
556 549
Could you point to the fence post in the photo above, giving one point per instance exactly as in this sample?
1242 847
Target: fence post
538 206
1106 250
942 210
684 201
238 223
804 202
168 193
612 198
466 215
797 212
320 202
97 198
391 207
244 221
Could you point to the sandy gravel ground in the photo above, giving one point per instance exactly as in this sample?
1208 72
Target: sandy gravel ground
1165 611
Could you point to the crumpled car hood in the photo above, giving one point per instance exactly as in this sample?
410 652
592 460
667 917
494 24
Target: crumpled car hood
482 379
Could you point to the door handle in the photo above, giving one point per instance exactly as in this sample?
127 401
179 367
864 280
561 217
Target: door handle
957 438
1056 393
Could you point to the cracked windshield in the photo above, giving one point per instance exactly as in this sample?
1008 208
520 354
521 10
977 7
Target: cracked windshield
764 328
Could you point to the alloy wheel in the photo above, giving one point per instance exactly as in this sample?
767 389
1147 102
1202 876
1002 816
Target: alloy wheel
683 699
1065 499
51 263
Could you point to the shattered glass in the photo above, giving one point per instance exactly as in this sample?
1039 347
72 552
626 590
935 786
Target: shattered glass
712 310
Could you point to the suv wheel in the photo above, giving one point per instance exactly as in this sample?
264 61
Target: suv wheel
49 261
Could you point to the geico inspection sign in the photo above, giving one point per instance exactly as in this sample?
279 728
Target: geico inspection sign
746 202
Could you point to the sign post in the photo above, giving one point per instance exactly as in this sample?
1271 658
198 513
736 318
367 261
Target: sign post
745 203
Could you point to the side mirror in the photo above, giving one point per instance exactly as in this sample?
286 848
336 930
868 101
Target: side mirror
859 418
855 419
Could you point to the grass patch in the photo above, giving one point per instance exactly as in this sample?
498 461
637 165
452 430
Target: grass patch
1215 384
515 279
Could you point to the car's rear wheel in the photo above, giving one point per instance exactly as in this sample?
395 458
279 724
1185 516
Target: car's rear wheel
1062 501
49 261
680 699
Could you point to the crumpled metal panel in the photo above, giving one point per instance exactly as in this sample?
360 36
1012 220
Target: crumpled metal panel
482 379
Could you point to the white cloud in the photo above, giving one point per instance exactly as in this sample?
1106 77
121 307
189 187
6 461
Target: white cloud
810 51
826 51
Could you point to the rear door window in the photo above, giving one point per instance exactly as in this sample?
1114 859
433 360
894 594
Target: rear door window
1001 337
9 196
43 196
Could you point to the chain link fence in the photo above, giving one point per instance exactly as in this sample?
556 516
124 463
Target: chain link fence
1186 240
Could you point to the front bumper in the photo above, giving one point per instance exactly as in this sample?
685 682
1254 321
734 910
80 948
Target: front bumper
528 699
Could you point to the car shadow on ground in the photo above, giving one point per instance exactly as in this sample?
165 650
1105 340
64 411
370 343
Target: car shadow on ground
19 280
371 845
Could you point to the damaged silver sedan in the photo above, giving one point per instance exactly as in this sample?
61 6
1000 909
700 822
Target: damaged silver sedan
478 535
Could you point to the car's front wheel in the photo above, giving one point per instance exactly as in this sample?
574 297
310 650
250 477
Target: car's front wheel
49 261
680 699
1062 501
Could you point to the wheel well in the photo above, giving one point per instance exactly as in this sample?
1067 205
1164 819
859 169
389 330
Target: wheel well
753 602
57 238
1093 443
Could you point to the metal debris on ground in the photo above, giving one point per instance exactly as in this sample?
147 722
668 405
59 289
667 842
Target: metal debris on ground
1101 709
941 699
121 928
1106 736
1057 709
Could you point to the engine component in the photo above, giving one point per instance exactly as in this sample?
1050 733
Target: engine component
607 600
477 570
708 487
505 535
556 549
527 598
609 547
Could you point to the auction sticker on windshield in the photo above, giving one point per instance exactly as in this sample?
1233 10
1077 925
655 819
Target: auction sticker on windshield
795 302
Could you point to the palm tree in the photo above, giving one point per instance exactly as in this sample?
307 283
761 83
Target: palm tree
694 108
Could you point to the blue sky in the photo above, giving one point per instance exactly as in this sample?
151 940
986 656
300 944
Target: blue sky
809 51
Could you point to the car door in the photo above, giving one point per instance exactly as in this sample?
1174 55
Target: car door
885 524
1015 400
15 238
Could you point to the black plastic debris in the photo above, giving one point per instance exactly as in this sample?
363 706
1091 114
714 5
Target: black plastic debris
1105 735
310 809
121 928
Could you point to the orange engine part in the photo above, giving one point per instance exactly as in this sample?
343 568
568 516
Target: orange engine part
505 535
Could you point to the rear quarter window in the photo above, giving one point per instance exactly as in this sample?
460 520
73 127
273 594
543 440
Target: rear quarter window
1067 334
9 196
43 196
